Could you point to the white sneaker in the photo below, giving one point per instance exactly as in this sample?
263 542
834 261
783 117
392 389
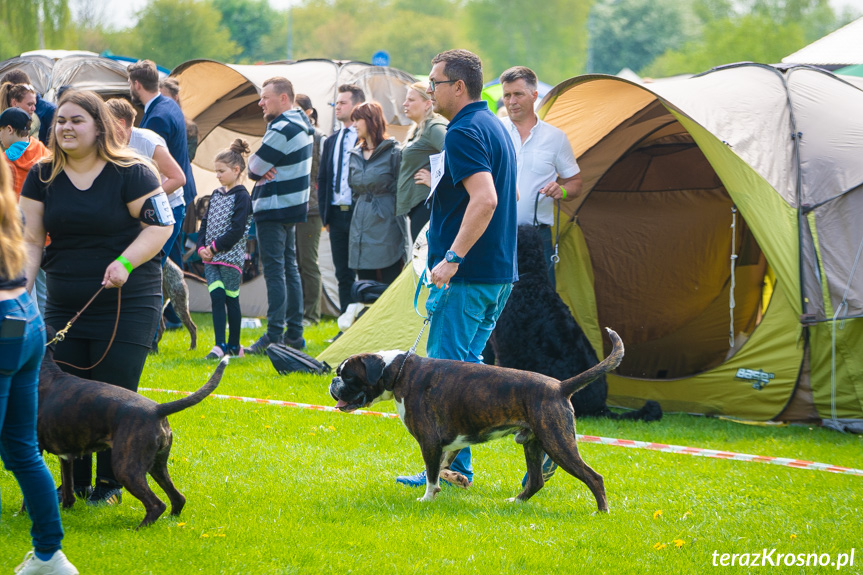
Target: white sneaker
56 565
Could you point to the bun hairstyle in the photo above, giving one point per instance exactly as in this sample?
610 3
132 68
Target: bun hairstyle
235 156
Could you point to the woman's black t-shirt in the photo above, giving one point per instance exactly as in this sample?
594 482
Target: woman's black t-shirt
89 229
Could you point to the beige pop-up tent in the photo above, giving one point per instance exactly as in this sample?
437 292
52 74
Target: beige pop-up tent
222 99
719 235
51 69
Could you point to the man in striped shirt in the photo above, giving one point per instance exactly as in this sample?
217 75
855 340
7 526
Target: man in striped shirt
281 168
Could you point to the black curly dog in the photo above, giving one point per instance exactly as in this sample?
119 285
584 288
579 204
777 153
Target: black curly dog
536 332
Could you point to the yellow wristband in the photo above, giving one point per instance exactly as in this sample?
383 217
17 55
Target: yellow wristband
126 263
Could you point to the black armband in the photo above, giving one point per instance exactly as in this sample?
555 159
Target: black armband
156 211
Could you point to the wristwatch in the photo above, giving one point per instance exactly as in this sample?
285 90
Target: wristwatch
453 258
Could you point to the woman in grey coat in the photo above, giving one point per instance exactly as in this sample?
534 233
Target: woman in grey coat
379 243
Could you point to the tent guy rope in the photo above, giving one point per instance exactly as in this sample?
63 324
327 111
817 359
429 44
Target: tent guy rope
649 445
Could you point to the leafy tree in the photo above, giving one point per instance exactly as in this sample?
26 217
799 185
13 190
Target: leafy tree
170 32
766 31
753 37
631 33
549 37
411 38
32 25
249 22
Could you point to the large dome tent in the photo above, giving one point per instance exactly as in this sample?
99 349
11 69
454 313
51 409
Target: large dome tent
717 235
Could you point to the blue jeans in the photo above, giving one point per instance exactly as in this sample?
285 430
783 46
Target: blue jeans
20 359
462 319
277 246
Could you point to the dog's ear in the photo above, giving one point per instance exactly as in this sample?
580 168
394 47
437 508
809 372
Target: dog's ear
375 366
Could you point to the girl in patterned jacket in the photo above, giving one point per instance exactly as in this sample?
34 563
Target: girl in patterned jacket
222 246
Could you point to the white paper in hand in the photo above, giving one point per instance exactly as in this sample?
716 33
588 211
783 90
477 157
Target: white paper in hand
437 170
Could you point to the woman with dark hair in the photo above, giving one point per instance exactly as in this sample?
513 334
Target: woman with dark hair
108 218
309 232
22 343
379 245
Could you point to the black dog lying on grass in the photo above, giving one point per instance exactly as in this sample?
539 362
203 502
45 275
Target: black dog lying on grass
536 332
78 416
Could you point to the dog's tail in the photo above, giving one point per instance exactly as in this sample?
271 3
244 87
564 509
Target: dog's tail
167 409
573 384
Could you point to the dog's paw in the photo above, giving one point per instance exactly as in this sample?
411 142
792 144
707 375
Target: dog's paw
427 496
455 478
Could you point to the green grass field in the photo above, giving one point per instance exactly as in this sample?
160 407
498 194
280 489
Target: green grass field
285 490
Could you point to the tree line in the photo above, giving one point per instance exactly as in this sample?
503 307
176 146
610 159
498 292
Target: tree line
557 38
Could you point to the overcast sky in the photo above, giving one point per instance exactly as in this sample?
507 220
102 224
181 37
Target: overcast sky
122 11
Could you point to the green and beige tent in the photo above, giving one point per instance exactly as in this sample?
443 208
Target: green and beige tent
719 234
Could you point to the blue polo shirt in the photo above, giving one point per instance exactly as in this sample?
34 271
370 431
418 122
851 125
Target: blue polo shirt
476 142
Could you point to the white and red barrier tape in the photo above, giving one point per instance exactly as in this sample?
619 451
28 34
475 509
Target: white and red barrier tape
697 451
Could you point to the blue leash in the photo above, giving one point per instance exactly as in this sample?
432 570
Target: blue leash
426 319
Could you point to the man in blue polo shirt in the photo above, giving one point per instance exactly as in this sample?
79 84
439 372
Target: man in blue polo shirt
472 232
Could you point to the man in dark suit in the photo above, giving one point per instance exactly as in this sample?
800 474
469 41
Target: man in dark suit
163 116
334 194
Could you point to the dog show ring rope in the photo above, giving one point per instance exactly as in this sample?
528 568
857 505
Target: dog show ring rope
633 444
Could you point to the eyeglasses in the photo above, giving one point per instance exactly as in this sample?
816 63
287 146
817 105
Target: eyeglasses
434 83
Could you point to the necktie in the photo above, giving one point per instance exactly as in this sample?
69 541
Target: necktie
338 187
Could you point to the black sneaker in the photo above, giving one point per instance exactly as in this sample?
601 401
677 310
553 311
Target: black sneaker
297 344
105 493
79 491
260 346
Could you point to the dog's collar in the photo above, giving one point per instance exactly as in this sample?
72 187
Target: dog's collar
402 366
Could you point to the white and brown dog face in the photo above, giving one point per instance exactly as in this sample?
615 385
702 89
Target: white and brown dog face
360 381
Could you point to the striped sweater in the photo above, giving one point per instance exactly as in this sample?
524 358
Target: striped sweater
287 146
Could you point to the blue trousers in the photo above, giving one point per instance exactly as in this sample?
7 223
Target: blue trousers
462 319
277 246
20 358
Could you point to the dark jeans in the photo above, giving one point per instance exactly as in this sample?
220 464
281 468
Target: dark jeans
174 250
168 250
340 230
20 359
385 275
545 233
419 216
121 367
276 244
308 240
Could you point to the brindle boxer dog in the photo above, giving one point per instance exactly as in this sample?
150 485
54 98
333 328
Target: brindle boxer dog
447 405
175 290
78 416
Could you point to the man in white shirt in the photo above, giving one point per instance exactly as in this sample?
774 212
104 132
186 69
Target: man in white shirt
152 146
547 170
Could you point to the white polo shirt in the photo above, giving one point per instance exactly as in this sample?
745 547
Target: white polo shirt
545 155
